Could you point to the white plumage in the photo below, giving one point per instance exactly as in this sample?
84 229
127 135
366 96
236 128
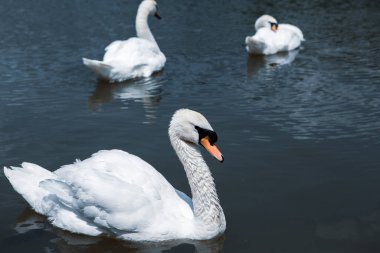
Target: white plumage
271 37
118 194
136 57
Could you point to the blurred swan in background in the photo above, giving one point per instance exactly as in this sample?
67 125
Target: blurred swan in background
136 57
271 37
118 194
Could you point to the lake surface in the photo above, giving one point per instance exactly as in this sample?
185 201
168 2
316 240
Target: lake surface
300 132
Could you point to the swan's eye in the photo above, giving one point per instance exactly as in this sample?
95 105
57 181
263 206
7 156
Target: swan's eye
213 137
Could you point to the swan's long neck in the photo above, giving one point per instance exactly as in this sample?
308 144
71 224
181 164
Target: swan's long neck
206 203
142 27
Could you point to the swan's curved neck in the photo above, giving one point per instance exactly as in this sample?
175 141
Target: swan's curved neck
142 27
206 203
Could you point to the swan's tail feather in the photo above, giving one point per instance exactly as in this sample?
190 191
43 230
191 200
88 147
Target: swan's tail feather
49 196
25 180
102 69
254 46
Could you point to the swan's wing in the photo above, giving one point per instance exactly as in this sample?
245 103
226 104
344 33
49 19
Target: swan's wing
63 209
263 42
292 28
289 37
134 57
118 192
134 50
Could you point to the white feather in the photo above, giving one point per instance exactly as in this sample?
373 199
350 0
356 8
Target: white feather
136 57
116 193
265 41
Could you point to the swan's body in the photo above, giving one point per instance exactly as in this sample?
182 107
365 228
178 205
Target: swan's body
271 38
136 57
118 194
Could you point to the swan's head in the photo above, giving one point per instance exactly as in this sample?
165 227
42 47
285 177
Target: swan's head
192 127
266 21
151 7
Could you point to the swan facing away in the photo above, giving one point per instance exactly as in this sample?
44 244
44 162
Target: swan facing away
117 194
136 57
271 37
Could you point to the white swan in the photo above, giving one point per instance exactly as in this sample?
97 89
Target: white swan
272 37
118 194
135 57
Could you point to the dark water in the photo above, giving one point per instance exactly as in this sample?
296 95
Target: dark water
300 131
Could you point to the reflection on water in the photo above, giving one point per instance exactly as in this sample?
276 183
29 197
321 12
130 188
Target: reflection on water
66 242
366 228
146 91
255 63
313 98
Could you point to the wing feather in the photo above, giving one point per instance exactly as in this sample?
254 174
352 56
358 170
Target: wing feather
128 200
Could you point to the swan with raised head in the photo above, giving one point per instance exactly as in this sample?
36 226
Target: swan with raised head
118 194
136 57
271 37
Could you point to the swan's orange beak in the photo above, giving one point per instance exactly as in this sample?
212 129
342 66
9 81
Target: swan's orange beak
212 149
274 27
